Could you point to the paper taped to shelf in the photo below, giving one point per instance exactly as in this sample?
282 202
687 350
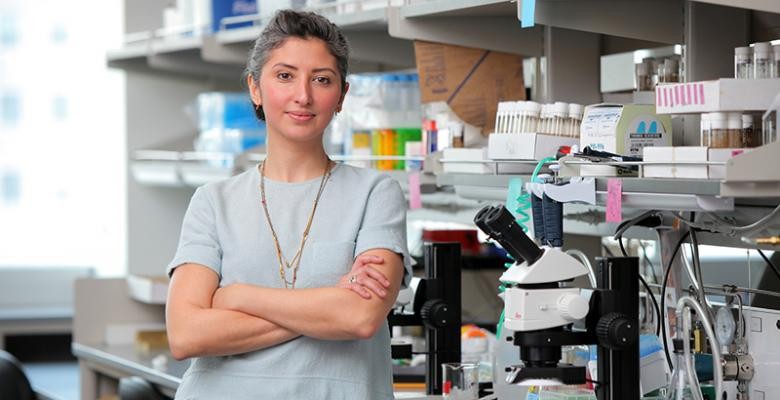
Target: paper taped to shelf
720 95
471 81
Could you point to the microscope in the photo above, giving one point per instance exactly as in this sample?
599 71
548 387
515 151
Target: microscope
542 311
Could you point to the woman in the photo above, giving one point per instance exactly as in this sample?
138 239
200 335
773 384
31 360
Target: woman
266 293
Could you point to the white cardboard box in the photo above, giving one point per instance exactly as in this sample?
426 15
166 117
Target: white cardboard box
720 95
526 146
463 154
691 154
148 289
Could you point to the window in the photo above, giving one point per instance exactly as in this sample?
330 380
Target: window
10 188
10 109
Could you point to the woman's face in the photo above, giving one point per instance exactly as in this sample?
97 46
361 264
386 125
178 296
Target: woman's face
300 89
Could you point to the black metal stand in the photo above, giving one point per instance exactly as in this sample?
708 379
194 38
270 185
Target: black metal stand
618 374
437 307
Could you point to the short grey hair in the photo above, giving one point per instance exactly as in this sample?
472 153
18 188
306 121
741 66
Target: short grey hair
289 23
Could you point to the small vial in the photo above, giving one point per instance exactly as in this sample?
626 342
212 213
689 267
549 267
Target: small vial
560 114
643 78
544 119
763 60
719 136
456 132
734 126
776 70
533 108
672 70
499 113
575 118
768 128
743 63
750 136
704 129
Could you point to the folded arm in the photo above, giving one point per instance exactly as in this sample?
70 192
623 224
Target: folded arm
323 313
196 329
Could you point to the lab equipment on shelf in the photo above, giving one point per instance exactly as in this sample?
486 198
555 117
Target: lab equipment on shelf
227 124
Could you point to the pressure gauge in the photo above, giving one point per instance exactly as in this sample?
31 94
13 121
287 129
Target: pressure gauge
724 326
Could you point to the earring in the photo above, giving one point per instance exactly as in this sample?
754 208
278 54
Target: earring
257 107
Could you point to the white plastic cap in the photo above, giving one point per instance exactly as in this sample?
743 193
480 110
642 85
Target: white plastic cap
747 120
762 47
742 51
561 109
734 121
576 110
534 107
718 120
705 117
501 107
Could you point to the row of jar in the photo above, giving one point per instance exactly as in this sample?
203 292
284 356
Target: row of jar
759 61
652 71
558 119
721 130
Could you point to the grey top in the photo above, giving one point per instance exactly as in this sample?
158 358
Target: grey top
225 229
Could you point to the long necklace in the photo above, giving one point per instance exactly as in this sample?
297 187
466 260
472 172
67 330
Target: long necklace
296 260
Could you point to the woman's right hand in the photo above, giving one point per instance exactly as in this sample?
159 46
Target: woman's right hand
364 279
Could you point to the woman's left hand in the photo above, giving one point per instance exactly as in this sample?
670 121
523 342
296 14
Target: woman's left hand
365 280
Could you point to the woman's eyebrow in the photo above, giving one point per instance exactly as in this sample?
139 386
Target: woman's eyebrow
321 69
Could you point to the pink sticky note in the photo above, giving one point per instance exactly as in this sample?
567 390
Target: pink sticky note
614 200
414 191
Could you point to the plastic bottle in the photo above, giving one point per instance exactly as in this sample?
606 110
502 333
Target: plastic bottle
749 134
743 63
763 60
719 137
431 136
704 129
735 130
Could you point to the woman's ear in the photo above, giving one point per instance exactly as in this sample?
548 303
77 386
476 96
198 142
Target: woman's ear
343 94
254 91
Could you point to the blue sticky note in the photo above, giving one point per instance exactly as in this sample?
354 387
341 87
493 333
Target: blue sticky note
528 13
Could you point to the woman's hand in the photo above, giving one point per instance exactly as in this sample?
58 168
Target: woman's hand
363 279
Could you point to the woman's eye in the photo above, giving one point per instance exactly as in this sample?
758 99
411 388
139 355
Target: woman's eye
284 75
322 79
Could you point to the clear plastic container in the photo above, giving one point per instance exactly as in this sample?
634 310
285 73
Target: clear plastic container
671 70
763 60
768 128
743 63
750 135
734 126
704 129
776 70
642 77
719 136
544 119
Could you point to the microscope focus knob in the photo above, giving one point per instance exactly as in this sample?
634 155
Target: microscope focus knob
572 306
616 331
436 314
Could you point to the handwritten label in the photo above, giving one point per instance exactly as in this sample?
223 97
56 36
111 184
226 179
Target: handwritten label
614 200
415 201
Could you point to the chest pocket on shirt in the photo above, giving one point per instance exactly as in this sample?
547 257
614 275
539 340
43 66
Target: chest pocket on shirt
330 261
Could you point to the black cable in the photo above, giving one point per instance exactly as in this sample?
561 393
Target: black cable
658 321
663 295
771 264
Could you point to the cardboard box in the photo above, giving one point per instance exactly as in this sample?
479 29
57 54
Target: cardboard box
690 154
725 94
471 81
525 146
148 289
622 129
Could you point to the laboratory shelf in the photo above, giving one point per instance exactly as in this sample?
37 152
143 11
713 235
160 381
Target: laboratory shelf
460 8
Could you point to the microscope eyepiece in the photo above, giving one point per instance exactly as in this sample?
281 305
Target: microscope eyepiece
498 223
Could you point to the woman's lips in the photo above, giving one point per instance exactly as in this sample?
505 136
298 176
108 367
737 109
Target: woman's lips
300 116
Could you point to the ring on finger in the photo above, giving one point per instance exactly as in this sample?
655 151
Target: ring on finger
353 279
